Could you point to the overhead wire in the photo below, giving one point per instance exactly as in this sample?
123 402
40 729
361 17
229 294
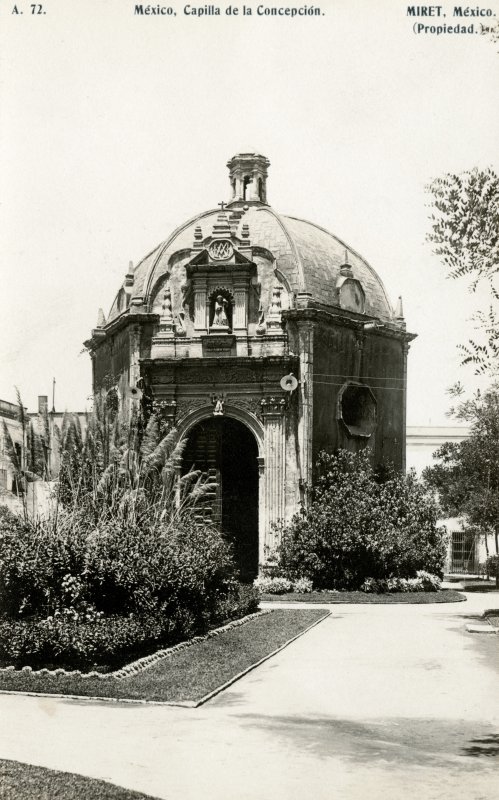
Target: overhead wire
356 377
377 388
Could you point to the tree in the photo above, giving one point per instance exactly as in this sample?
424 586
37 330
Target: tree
467 475
465 230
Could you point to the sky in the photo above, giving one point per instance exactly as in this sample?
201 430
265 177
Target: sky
116 127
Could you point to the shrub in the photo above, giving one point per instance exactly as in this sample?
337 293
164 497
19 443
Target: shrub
123 561
273 585
84 639
66 640
140 569
358 527
303 586
278 585
271 568
116 570
423 582
431 583
34 561
372 586
239 601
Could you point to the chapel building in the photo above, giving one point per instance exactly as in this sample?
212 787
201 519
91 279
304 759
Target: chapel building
264 339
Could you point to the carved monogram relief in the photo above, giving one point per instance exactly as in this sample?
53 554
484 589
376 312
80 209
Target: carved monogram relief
221 251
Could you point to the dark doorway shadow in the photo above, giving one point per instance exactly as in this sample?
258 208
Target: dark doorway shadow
227 449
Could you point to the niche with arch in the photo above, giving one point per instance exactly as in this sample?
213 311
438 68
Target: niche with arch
221 309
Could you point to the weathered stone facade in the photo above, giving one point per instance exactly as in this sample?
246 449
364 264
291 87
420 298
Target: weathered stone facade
211 322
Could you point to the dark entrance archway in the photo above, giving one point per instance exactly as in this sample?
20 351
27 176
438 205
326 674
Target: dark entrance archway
227 448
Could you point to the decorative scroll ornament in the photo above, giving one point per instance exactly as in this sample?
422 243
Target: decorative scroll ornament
221 250
187 405
253 405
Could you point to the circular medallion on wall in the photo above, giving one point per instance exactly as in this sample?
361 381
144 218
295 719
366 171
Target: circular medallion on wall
221 250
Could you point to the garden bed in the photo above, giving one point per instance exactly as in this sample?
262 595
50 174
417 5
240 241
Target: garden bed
26 782
444 596
186 676
492 616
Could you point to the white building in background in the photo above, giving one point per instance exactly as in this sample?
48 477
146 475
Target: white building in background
30 494
423 440
467 551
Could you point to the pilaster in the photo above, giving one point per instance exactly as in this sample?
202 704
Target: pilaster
134 374
405 352
306 398
273 413
200 307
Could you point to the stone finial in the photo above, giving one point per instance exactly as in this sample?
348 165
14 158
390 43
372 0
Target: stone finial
166 323
198 238
274 315
399 310
275 303
167 304
245 243
221 228
346 269
101 320
129 277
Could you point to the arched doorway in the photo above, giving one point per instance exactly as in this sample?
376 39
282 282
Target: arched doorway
227 448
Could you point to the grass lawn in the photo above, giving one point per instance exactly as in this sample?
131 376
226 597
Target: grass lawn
471 585
493 617
187 675
25 782
444 596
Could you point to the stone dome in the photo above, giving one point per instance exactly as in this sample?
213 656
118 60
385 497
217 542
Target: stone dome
308 258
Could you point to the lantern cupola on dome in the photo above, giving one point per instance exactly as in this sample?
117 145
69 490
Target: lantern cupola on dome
248 177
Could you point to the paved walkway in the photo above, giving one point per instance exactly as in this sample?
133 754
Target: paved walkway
376 702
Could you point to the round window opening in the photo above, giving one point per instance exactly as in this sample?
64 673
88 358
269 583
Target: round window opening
357 409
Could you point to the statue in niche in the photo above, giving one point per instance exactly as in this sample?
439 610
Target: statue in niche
220 319
181 327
